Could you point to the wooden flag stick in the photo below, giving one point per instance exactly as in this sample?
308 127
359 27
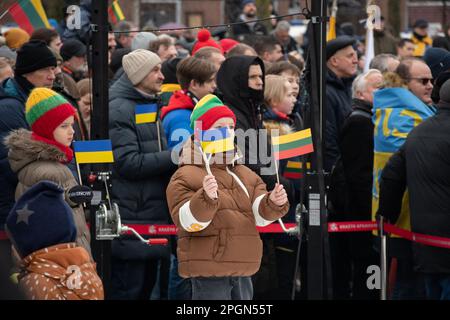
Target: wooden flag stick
207 166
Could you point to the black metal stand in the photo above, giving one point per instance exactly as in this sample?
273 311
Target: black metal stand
317 219
98 59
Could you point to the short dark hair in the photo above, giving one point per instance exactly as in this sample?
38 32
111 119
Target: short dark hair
401 43
281 66
266 44
44 34
192 68
124 27
163 41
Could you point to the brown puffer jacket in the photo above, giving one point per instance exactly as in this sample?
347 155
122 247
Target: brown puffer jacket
60 272
222 239
34 161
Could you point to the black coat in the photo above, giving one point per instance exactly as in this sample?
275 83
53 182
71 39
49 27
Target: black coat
422 165
338 106
140 172
245 31
247 104
12 116
356 144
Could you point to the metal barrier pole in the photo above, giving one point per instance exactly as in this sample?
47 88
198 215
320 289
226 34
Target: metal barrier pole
383 259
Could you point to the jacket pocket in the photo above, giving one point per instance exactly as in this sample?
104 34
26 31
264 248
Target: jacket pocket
221 244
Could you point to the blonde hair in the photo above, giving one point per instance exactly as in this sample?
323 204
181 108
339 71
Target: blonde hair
275 88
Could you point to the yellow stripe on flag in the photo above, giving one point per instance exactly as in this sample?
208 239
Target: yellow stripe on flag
218 146
146 118
118 11
170 87
94 157
332 29
294 164
37 4
292 137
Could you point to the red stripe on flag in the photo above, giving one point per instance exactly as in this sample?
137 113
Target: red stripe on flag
21 18
112 15
292 175
294 152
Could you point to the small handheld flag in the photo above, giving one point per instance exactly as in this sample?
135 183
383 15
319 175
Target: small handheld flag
96 151
293 144
293 170
115 12
215 140
146 113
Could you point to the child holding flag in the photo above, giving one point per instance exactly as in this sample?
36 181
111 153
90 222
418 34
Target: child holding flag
44 152
217 206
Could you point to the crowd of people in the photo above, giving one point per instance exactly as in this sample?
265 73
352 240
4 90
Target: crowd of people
385 146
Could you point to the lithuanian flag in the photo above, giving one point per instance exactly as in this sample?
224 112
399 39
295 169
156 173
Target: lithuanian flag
146 113
29 15
95 151
293 170
215 140
293 144
115 12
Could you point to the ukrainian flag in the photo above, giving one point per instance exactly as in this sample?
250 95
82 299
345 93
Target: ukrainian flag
216 140
396 111
146 113
97 151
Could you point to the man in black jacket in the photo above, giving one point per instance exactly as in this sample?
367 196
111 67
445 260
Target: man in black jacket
356 145
141 172
342 65
422 166
35 67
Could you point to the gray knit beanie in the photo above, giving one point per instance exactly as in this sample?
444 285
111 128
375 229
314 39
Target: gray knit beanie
142 40
138 64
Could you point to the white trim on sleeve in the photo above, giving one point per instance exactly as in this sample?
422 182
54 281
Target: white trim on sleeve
260 221
187 220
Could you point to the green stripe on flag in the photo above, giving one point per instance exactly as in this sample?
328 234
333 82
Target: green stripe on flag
294 144
32 14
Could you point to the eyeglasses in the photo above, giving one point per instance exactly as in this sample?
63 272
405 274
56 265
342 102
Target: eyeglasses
424 80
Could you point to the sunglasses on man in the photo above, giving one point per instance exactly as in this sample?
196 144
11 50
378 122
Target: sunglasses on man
423 80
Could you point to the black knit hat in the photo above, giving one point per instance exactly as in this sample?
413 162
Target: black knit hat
169 70
72 48
32 56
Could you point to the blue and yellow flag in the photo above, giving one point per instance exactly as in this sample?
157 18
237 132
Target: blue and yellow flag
396 111
215 140
146 113
96 151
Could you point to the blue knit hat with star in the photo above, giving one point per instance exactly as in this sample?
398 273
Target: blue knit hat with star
40 218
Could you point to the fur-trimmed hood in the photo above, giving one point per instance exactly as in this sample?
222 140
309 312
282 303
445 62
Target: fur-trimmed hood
282 127
24 150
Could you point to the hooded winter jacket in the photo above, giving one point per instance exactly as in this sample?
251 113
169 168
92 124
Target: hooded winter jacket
247 104
140 171
177 115
218 238
34 161
12 117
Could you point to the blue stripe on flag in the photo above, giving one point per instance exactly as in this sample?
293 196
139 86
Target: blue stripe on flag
92 146
146 108
214 134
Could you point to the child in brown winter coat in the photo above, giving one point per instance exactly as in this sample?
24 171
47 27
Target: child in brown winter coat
219 247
